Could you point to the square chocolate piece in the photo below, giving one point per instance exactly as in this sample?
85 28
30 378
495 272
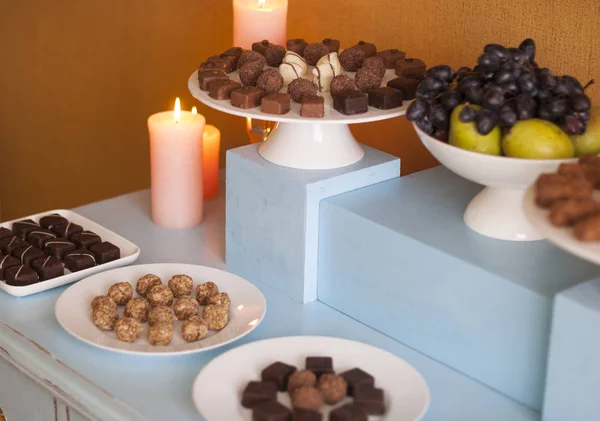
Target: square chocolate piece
105 252
58 248
28 254
247 97
234 51
22 228
79 259
40 237
357 377
348 412
221 89
10 244
211 65
67 230
50 221
407 85
306 415
319 365
275 103
205 77
48 268
386 98
261 47
20 276
85 239
5 232
333 45
258 392
351 102
369 49
271 411
370 399
227 62
313 106
297 45
410 67
390 57
7 262
278 373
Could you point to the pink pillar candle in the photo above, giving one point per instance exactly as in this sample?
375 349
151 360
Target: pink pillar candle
257 20
176 168
210 158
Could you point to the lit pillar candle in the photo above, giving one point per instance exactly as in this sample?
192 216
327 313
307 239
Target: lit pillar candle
176 167
257 20
210 159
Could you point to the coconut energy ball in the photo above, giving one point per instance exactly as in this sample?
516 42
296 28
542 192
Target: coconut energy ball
146 282
216 317
160 295
103 301
194 329
105 317
185 307
332 387
181 285
128 329
137 308
205 291
301 378
121 293
161 314
160 334
220 299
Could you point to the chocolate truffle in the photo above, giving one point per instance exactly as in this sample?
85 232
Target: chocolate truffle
128 329
262 46
376 64
300 88
333 45
5 233
247 97
160 334
50 221
234 51
194 329
58 248
185 307
121 293
250 72
357 377
10 244
7 262
270 81
205 291
274 55
408 86
206 77
332 387
216 317
279 374
275 103
39 237
220 299
79 259
222 89
181 285
138 308
390 57
248 56
28 254
370 399
386 98
105 252
161 314
352 59
306 397
367 78
410 67
103 301
48 268
301 378
85 240
160 295
67 230
319 365
314 52
296 45
368 48
306 415
227 62
342 83
351 102
105 317
20 276
313 106
258 392
271 411
348 412
146 282
22 228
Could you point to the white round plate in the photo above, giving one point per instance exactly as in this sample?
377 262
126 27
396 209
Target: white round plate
247 310
560 237
218 388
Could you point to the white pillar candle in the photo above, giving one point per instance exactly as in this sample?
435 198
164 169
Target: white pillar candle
257 20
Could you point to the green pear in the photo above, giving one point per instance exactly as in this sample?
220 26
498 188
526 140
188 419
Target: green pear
537 139
589 142
466 136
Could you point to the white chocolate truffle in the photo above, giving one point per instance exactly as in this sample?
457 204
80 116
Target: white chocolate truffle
323 75
290 72
293 58
331 58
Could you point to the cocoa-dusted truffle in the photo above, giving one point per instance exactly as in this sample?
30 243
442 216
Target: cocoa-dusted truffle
341 83
367 78
161 314
307 398
194 329
332 387
220 299
205 291
352 59
160 295
146 282
297 45
301 378
185 307
137 308
216 317
181 285
376 64
313 52
300 88
270 80
103 301
128 329
121 293
249 56
274 55
160 334
249 73
105 317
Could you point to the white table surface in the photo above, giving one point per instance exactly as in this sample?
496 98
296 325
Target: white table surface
160 389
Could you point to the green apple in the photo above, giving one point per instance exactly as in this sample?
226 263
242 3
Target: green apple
537 139
466 136
589 142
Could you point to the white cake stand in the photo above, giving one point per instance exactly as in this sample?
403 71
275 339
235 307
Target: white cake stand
306 143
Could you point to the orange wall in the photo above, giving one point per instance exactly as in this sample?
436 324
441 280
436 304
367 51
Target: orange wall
79 78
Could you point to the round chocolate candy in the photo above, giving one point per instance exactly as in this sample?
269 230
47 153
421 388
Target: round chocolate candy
274 55
341 83
300 88
313 52
270 81
376 64
352 59
368 78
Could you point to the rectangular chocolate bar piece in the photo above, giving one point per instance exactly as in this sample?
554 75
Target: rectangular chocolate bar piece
278 373
319 365
211 65
67 230
7 262
410 67
22 228
227 62
58 248
205 77
247 97
21 276
79 259
258 392
391 56
313 106
48 268
5 232
276 103
333 45
39 237
386 98
50 221
28 254
10 244
306 415
348 412
222 89
271 411
105 252
370 399
407 85
368 48
85 240
351 102
357 377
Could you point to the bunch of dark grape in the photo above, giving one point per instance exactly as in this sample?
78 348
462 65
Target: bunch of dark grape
508 85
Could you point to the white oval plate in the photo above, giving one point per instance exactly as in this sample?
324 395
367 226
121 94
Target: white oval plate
247 310
218 388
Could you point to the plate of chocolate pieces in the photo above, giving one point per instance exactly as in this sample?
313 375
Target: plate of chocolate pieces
304 82
310 378
55 248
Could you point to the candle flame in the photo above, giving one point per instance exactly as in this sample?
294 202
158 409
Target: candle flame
194 110
177 111
261 3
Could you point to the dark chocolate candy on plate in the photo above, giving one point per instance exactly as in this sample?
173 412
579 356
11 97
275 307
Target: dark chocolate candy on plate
22 228
7 262
368 48
351 102
28 254
333 45
357 377
276 103
306 415
105 252
278 373
50 221
5 232
348 412
205 77
258 392
234 51
313 106
48 268
80 259
391 56
212 65
370 399
20 276
85 239
247 97
319 365
226 62
67 230
386 98
407 85
296 45
39 237
10 244
271 411
221 89
410 67
261 47
58 248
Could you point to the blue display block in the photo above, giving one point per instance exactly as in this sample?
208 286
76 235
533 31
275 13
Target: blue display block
272 216
573 379
398 257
